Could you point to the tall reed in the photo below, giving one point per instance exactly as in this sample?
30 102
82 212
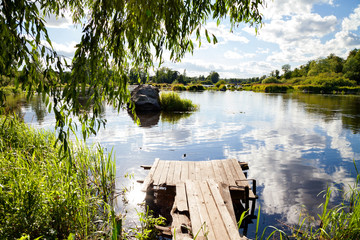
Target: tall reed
44 195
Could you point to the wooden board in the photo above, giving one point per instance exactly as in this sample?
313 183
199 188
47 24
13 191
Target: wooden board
208 213
181 198
149 178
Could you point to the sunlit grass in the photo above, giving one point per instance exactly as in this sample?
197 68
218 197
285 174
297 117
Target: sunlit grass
46 194
171 102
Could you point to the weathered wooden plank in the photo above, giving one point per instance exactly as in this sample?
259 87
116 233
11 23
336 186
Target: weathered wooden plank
228 171
239 173
195 217
225 194
209 170
216 170
170 176
184 171
149 178
181 197
222 171
179 221
192 171
177 172
198 170
164 173
204 212
217 224
158 172
225 215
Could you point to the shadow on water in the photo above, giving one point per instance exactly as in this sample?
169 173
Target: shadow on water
330 106
150 119
17 104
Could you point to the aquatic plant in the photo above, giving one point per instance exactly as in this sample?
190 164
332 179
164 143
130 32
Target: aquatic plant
171 102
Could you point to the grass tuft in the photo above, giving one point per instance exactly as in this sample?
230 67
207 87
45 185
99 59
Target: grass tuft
171 102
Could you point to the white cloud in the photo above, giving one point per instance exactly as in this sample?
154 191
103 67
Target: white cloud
67 49
353 21
235 55
223 33
298 28
59 22
279 8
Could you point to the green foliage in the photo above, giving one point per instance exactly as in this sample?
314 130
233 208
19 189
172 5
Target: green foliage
178 87
213 77
222 87
195 87
270 80
271 88
352 66
221 82
206 82
46 194
171 102
147 229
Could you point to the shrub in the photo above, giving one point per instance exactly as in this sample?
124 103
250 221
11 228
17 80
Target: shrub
196 87
178 87
270 80
219 83
222 87
271 88
172 102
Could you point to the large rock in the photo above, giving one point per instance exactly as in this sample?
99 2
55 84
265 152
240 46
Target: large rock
146 98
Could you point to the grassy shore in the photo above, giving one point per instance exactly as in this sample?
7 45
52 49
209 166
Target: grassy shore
44 194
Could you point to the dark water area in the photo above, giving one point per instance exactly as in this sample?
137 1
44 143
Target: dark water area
296 145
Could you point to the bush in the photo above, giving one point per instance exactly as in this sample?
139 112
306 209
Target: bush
219 83
222 87
271 88
178 87
270 80
196 87
172 102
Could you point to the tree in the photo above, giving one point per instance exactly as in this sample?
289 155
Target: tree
286 68
117 35
352 66
213 77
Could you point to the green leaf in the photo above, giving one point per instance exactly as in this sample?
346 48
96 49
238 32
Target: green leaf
207 36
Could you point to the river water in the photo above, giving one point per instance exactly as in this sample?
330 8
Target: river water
296 145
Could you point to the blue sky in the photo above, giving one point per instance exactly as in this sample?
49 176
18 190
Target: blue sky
295 31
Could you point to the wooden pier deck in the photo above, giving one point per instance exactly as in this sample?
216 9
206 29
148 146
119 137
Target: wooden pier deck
202 204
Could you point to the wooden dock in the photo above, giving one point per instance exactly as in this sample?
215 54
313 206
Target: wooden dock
199 197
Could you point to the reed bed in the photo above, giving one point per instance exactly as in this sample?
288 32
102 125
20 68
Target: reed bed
49 195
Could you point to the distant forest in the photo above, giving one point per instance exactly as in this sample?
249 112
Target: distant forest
313 72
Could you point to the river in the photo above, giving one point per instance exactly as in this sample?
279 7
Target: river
296 145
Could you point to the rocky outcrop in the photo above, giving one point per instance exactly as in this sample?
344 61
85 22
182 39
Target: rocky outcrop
146 98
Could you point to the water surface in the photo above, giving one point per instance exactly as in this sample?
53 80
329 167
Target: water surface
296 145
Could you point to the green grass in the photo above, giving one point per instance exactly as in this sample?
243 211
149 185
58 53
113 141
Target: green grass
339 222
171 102
46 195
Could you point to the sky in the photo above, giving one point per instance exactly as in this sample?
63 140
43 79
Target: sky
294 32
